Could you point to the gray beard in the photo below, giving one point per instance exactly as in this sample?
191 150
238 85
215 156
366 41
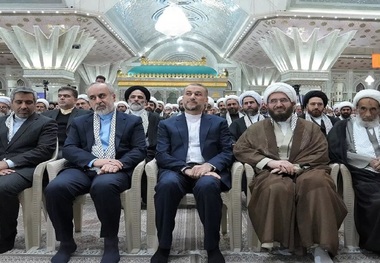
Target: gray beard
136 107
367 124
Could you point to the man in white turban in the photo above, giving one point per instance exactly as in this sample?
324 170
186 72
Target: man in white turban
42 105
221 104
354 142
5 105
345 109
250 101
293 194
233 109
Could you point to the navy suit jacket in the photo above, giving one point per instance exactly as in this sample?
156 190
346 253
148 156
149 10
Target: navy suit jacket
130 142
215 143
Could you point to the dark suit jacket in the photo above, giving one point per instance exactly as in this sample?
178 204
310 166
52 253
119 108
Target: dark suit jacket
130 142
215 143
34 142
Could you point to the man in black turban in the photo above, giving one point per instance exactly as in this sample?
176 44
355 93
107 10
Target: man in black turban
314 103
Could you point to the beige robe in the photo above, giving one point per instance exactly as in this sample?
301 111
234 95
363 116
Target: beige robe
301 210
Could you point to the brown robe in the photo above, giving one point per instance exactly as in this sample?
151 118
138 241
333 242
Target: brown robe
284 207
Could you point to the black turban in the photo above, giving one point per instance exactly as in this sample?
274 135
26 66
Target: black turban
315 93
133 88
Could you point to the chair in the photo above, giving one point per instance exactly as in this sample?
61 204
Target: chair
351 236
253 240
231 207
31 201
130 200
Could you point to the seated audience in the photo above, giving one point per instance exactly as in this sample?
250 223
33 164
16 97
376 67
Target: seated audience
193 155
294 204
354 142
233 109
102 149
27 139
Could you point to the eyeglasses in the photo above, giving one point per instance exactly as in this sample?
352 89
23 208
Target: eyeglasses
282 101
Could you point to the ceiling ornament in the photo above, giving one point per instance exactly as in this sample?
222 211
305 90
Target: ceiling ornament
173 22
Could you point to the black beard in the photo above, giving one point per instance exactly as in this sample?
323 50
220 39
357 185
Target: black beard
281 116
345 115
251 112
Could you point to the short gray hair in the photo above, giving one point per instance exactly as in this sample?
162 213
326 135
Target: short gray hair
23 90
109 86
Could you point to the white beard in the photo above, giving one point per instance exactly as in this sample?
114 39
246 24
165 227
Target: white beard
367 124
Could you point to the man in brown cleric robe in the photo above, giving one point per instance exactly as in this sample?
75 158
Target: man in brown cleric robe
293 201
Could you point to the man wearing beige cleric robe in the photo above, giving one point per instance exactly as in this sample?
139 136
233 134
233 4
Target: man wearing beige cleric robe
293 203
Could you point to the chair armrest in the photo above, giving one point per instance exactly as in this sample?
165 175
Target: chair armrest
334 174
151 170
55 167
136 175
237 170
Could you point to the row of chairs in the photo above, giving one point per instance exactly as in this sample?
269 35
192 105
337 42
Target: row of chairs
32 200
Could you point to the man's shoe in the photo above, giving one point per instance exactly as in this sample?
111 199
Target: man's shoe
64 252
215 256
111 250
161 256
7 243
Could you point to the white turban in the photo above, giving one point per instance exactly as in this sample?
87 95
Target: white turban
211 101
45 102
83 97
220 100
122 102
232 97
250 93
280 87
366 93
160 102
6 100
179 99
336 106
168 106
345 104
154 100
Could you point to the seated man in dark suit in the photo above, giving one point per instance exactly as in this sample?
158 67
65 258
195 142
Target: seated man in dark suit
67 97
194 152
27 139
102 148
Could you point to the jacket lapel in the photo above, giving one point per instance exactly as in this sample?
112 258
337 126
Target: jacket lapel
4 135
182 130
23 128
203 129
121 123
89 130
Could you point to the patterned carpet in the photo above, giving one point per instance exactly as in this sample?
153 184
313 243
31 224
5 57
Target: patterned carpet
187 244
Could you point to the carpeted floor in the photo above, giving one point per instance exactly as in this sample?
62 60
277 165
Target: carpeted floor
186 248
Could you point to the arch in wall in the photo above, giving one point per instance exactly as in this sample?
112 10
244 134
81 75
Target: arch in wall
359 87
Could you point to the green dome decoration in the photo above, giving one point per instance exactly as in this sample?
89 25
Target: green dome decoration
173 70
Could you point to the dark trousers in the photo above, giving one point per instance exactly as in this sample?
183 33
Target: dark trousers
105 191
170 189
10 186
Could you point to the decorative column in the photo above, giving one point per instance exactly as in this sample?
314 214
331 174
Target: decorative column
259 78
305 62
53 58
89 72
